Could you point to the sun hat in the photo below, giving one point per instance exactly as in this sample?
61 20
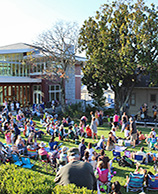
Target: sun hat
42 144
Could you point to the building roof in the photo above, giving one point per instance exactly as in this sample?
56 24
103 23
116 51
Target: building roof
17 48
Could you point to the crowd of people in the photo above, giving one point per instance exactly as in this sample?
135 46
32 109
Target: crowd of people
83 164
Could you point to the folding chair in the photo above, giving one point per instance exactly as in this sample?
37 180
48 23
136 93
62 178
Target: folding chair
152 183
32 153
26 162
135 182
116 155
138 158
16 160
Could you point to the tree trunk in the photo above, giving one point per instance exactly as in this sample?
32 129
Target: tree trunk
122 97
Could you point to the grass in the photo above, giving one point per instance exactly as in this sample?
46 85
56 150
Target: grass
103 130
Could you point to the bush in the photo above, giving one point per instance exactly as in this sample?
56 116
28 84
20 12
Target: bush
74 110
71 188
15 180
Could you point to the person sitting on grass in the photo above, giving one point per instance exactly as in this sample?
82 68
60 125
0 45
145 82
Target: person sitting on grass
21 146
93 162
142 153
52 143
88 131
71 133
42 151
141 136
63 156
101 143
90 150
151 141
111 142
86 157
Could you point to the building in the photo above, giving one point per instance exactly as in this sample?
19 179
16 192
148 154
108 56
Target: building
143 93
20 81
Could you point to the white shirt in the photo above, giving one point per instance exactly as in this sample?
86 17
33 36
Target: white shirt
126 133
91 150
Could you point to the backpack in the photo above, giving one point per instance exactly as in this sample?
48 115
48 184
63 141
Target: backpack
125 161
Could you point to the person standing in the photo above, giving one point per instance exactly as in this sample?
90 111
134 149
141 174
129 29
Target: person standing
17 107
77 172
124 121
93 126
116 120
133 131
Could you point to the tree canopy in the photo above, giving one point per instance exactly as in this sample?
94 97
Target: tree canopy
121 45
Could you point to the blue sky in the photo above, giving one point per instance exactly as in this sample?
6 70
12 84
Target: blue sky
23 20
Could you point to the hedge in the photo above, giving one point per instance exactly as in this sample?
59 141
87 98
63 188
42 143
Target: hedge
71 189
15 180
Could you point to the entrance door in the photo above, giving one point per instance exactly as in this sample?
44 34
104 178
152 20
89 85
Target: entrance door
37 97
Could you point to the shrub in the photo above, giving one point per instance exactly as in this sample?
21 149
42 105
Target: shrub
15 180
74 110
71 188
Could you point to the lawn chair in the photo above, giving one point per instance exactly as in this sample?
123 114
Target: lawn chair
32 153
16 160
26 162
103 182
138 158
152 183
135 182
117 155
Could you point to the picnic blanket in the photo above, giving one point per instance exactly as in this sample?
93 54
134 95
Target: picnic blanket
120 148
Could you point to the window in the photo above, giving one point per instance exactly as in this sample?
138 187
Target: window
153 98
54 92
133 99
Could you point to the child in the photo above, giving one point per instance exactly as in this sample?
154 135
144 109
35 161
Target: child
93 162
76 129
116 188
8 137
88 131
102 176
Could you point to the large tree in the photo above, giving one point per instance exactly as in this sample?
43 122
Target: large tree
59 46
121 43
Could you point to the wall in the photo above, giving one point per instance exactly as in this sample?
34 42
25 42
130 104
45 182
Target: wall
143 96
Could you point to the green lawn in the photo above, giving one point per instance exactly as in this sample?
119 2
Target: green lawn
104 130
